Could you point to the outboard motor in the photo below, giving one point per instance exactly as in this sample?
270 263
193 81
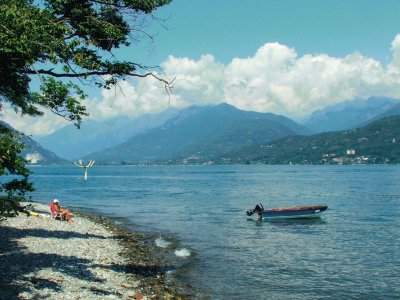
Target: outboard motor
258 209
250 212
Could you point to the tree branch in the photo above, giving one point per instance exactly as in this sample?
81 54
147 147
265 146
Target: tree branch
95 73
68 75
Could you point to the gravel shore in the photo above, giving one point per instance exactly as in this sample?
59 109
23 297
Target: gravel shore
42 258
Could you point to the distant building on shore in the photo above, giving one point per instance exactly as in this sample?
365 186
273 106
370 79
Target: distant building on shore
350 151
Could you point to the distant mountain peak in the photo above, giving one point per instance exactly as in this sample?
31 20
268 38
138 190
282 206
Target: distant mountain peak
33 152
97 135
226 106
349 114
201 133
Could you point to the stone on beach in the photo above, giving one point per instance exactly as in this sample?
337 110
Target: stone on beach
45 258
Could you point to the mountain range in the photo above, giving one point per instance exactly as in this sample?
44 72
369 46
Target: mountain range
72 143
34 153
351 114
200 133
197 134
377 142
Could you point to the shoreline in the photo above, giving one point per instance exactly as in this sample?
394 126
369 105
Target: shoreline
93 258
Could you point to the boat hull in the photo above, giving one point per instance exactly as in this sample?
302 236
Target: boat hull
298 212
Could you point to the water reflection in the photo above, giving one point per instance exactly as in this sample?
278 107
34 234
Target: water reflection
288 222
299 221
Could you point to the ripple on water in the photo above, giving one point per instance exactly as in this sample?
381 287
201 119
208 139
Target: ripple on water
182 252
160 242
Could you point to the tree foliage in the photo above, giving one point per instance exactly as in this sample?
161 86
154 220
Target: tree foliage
64 44
13 166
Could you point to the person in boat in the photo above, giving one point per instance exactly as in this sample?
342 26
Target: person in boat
61 213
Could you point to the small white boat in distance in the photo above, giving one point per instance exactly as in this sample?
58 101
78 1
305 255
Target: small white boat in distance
292 212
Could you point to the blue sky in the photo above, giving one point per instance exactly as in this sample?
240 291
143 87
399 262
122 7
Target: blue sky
288 57
228 29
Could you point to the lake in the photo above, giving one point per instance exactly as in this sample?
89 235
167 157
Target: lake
352 251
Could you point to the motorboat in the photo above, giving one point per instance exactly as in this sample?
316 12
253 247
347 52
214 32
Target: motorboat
292 212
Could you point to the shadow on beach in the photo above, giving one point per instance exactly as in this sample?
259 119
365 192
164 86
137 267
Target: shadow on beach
48 234
17 262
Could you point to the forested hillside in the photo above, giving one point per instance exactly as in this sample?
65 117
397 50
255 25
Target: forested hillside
378 142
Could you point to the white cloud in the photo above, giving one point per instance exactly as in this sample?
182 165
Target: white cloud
46 124
274 80
129 98
196 82
395 63
33 158
277 80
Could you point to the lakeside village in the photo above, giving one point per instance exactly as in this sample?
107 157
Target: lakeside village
349 158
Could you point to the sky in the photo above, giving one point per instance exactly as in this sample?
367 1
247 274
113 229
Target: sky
287 57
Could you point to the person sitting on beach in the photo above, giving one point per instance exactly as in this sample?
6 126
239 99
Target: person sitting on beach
60 213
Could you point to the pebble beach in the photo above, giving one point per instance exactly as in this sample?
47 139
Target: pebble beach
43 258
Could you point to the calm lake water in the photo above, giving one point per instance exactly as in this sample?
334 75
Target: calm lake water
353 251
